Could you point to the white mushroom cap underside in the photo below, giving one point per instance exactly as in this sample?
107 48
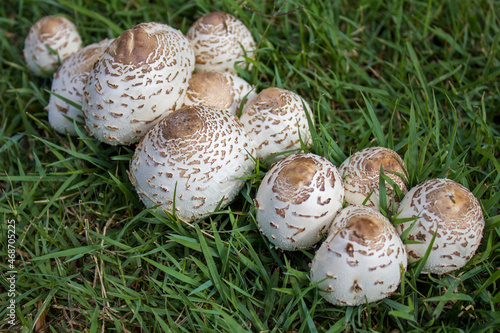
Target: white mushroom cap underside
361 171
450 210
219 89
141 77
361 260
297 200
68 82
200 153
50 32
219 41
276 121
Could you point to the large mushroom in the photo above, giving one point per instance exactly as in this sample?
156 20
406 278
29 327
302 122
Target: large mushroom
68 82
194 160
361 172
276 120
223 90
450 214
297 200
50 41
361 260
220 41
139 79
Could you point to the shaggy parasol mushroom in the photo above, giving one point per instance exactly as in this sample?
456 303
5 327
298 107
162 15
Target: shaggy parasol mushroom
195 159
361 260
297 200
276 121
220 41
449 211
50 41
68 82
139 79
361 171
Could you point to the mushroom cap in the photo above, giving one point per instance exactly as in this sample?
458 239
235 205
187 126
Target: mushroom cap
68 82
219 41
361 259
200 153
50 32
141 77
276 121
360 173
222 90
449 210
297 200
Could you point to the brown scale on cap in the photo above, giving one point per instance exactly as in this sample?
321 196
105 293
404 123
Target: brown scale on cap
183 123
451 203
50 26
365 230
134 46
388 159
213 88
216 19
292 181
269 99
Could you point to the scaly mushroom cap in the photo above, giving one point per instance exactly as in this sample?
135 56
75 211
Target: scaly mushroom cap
222 90
139 79
297 200
276 121
449 210
52 39
200 153
219 41
361 171
361 260
68 82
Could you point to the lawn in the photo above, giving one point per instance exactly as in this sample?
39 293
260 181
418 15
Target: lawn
420 77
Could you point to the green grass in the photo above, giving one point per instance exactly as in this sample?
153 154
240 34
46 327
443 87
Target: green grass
421 77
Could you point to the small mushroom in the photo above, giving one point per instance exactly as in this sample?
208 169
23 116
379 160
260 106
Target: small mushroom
68 82
361 171
361 260
297 200
220 89
195 159
220 41
448 210
277 122
141 77
50 41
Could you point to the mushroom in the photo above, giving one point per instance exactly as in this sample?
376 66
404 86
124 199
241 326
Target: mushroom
361 171
220 41
277 122
361 260
220 89
195 160
68 82
50 41
449 211
297 200
141 77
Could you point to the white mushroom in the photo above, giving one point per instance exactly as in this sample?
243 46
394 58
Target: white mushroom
220 89
194 159
360 173
297 200
139 79
277 122
449 211
68 82
50 41
220 41
362 259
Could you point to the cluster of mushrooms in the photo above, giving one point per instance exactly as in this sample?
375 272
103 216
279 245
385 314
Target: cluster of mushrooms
200 130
